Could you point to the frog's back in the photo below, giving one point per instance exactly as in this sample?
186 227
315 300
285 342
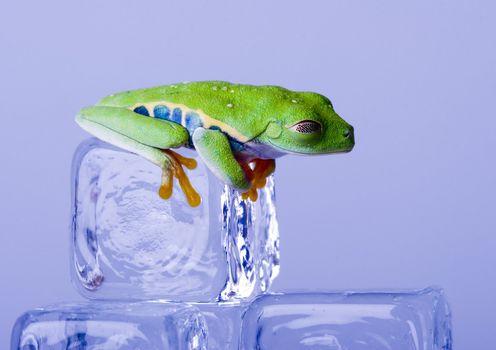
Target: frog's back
243 111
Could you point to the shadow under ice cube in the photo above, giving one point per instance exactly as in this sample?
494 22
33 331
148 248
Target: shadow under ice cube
128 243
348 321
116 326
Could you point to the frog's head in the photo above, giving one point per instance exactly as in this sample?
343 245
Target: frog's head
308 124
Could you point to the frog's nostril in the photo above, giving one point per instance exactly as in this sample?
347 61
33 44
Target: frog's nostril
347 133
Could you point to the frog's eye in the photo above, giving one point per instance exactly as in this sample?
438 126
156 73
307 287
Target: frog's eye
307 127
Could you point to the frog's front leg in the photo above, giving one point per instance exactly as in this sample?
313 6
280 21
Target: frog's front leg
147 137
214 149
262 169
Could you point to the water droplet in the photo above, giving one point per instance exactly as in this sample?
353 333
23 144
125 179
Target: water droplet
229 105
294 101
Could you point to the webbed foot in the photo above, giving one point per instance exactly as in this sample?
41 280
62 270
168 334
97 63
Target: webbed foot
176 170
258 176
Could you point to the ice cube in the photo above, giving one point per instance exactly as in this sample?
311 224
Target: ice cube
418 320
128 243
111 325
223 322
352 321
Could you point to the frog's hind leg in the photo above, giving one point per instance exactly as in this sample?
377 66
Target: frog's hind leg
147 137
153 132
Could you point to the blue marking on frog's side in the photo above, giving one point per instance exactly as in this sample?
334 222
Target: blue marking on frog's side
192 122
214 127
176 115
236 146
141 110
161 112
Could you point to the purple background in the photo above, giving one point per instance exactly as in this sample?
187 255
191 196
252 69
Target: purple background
412 205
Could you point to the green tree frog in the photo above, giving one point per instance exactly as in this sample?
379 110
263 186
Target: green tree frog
237 130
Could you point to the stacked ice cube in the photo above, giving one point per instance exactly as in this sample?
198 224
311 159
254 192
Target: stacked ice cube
128 243
163 275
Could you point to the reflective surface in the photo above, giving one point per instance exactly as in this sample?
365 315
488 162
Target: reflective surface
349 321
106 326
128 243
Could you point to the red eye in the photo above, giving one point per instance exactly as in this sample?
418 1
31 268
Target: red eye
306 127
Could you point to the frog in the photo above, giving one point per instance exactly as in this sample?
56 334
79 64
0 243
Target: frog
237 130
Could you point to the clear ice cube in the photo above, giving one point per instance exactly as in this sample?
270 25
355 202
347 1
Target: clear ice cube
352 321
116 326
128 243
223 322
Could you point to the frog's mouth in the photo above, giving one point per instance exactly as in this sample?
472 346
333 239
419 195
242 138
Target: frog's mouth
336 151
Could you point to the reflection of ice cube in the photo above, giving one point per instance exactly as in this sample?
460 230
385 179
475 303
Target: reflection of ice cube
129 243
116 326
351 321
